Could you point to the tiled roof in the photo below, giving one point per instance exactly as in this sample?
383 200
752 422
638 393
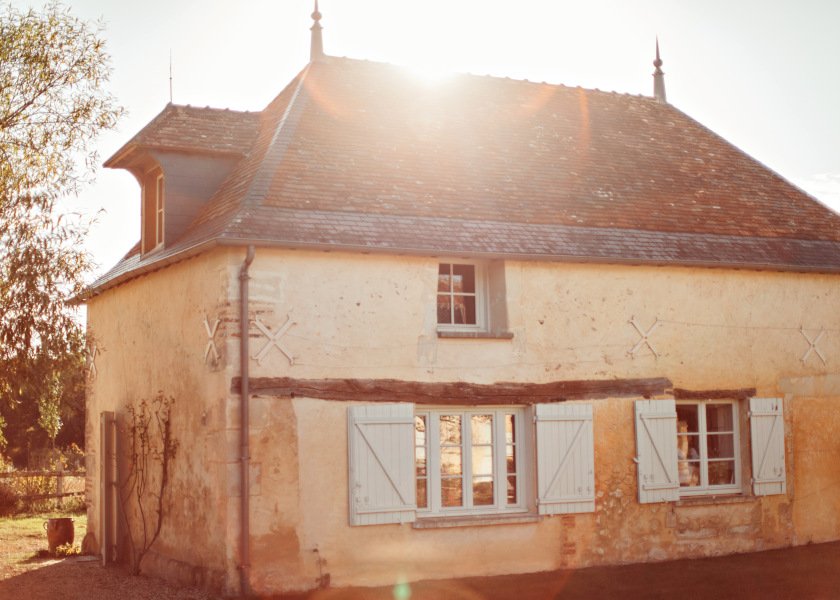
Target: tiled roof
194 129
354 154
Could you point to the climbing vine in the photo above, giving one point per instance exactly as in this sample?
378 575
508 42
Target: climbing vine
150 451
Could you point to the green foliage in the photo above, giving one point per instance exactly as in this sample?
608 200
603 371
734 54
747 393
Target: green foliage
53 104
50 393
49 410
65 550
16 492
34 486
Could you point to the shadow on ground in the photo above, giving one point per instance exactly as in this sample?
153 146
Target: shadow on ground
806 572
80 578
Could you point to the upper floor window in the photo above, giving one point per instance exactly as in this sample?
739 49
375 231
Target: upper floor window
460 296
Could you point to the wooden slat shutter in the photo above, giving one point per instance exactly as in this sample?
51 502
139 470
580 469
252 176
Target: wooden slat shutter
767 427
109 504
381 462
656 450
565 458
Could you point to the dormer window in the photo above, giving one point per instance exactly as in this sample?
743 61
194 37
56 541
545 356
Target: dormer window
153 211
159 211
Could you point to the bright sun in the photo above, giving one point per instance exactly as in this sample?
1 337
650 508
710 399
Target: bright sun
429 73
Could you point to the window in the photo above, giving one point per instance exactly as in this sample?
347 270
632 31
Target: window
407 462
159 210
692 447
460 296
468 460
707 447
152 211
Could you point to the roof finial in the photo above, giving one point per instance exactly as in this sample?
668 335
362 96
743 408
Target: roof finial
316 51
658 77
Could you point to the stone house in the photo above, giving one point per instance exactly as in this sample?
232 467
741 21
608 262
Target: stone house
483 327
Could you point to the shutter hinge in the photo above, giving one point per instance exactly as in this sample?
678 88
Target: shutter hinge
636 459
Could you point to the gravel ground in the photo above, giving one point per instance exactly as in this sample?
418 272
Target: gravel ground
797 573
80 578
25 574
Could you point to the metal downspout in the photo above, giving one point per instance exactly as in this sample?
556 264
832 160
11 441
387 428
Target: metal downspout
245 451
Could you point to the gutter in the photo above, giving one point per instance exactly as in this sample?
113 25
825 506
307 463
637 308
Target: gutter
206 245
244 430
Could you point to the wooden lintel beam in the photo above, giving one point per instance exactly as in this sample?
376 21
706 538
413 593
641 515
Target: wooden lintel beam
733 394
393 390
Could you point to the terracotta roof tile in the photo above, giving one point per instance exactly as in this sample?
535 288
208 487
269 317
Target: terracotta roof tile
194 129
373 140
355 154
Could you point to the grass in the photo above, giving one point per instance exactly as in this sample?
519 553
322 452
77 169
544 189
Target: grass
23 541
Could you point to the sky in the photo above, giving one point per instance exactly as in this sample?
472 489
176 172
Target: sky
761 73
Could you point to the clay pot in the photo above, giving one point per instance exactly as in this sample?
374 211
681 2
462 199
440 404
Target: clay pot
59 532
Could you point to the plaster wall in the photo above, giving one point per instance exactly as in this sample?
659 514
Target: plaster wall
301 507
372 316
363 316
150 336
368 316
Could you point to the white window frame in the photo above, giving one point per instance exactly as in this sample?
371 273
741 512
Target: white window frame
481 295
160 213
433 481
704 489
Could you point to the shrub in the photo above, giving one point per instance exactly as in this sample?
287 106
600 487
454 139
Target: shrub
35 486
8 501
66 550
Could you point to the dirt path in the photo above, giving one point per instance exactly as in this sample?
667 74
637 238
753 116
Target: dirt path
80 578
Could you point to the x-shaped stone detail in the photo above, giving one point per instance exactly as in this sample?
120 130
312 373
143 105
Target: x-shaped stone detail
644 337
91 352
274 340
812 345
210 349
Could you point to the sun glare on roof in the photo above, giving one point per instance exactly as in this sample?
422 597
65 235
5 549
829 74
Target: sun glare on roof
429 74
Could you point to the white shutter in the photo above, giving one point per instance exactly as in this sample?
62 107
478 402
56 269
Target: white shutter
565 458
656 450
767 427
381 462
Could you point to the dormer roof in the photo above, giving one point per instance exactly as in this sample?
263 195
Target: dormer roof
192 130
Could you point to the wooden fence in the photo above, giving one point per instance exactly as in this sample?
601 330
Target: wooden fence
61 484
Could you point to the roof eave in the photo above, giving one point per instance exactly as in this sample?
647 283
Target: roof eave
566 258
144 269
206 245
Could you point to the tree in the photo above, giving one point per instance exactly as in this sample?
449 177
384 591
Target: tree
53 105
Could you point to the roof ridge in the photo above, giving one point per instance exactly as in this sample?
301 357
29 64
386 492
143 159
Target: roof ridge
500 78
273 156
211 108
